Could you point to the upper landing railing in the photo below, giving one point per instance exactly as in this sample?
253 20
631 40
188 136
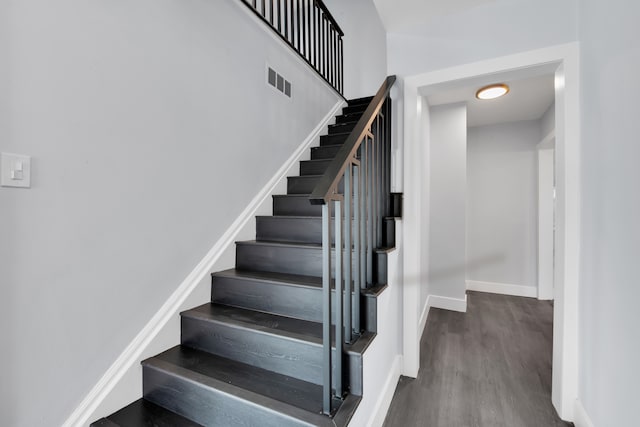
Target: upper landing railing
308 27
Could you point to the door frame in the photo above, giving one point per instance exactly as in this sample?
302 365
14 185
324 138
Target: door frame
567 238
546 215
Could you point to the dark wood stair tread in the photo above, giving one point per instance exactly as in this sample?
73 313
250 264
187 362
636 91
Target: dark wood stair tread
289 390
258 321
266 276
143 413
281 244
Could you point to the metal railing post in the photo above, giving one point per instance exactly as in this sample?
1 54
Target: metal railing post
339 298
326 308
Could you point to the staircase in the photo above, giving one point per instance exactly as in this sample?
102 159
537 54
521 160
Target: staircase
253 356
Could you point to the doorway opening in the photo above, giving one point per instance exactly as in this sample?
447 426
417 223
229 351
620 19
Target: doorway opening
562 61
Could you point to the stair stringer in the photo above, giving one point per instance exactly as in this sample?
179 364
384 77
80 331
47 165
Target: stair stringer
120 384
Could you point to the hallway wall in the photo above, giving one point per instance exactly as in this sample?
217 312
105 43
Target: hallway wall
609 317
447 200
502 208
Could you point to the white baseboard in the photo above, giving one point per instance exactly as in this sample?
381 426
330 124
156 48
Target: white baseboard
386 394
502 288
580 416
446 303
423 317
171 308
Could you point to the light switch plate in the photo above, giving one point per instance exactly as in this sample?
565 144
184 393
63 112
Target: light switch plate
15 170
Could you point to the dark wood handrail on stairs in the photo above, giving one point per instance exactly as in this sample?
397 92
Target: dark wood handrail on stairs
363 165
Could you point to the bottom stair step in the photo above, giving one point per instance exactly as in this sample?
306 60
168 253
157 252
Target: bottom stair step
215 391
144 413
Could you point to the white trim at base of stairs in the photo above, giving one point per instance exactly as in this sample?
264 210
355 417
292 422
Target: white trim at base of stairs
580 416
386 394
502 288
132 353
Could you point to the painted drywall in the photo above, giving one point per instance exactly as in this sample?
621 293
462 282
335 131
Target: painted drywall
381 361
488 30
609 338
447 200
136 117
548 121
502 208
365 46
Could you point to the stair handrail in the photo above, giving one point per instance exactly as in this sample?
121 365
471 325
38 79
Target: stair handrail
328 184
363 164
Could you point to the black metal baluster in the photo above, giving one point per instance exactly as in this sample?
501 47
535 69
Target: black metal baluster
341 66
318 40
370 194
335 59
357 245
300 46
326 308
339 298
348 248
271 12
286 20
279 16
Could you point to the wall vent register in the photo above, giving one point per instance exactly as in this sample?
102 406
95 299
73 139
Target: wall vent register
277 81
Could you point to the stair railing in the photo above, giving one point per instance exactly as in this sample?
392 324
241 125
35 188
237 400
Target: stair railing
310 29
362 165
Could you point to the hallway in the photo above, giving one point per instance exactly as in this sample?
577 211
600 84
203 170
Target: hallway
489 367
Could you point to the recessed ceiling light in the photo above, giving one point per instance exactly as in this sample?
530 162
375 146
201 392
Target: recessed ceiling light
492 91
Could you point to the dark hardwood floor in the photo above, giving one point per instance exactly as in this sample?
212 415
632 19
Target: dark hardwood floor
489 367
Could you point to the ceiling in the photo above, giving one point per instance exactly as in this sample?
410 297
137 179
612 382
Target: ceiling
528 99
400 15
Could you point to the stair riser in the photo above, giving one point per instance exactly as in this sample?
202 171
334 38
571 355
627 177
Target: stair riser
335 139
354 109
314 168
346 118
207 405
389 232
297 206
292 301
341 128
286 356
306 184
296 260
278 229
295 230
324 152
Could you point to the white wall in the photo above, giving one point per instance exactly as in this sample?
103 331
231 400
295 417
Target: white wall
502 208
609 293
548 121
135 114
490 30
447 200
365 46
382 361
